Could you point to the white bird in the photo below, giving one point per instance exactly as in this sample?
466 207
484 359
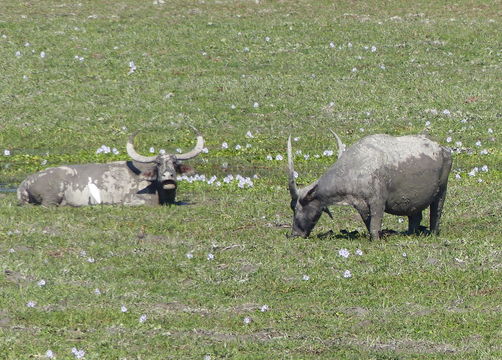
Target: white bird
95 195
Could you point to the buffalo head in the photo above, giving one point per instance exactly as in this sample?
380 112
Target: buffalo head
166 166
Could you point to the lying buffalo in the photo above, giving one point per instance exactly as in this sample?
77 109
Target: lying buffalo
147 180
379 173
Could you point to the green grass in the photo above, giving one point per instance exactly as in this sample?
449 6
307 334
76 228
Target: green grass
194 61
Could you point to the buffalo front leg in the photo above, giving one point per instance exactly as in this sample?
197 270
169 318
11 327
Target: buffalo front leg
435 211
414 223
372 217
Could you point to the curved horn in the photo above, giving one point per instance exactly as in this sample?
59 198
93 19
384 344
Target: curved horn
292 182
196 150
134 155
341 146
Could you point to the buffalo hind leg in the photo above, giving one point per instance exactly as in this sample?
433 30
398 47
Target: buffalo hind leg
414 223
435 211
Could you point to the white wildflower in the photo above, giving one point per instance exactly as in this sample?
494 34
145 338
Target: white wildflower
373 49
446 112
484 168
474 171
115 151
344 253
296 138
267 39
306 278
233 107
490 131
142 318
347 274
458 143
478 143
79 354
42 54
123 309
354 69
49 354
382 67
359 252
247 320
41 283
361 129
427 123
238 147
349 45
269 157
480 180
91 260
457 176
210 256
205 150
97 291
279 157
256 105
18 53
306 156
264 308
132 67
405 255
328 153
6 152
484 152
224 145
448 139
249 135
11 250
31 304
189 255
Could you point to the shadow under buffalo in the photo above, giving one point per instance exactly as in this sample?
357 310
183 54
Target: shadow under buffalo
354 235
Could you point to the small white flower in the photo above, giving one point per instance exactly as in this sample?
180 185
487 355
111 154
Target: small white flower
404 254
18 53
238 147
264 308
189 255
79 354
256 105
434 112
306 156
224 145
400 220
248 146
361 129
296 139
457 176
233 107
446 112
484 168
123 309
142 318
448 139
11 250
490 131
6 152
49 354
458 143
205 150
25 77
207 357
42 54
349 45
484 152
354 69
43 162
249 135
267 39
373 49
332 45
474 171
210 256
31 304
427 123
269 157
328 153
359 252
246 49
41 283
91 260
178 150
132 67
247 320
347 274
480 180
97 291
306 278
279 157
344 253
295 174
168 95
152 149
115 151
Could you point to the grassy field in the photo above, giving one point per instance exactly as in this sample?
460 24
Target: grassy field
217 278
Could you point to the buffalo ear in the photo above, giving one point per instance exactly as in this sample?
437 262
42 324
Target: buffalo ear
309 195
149 174
184 169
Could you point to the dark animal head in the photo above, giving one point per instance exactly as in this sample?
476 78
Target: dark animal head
166 165
306 206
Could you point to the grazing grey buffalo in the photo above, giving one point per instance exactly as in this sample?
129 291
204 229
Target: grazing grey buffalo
379 173
147 180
